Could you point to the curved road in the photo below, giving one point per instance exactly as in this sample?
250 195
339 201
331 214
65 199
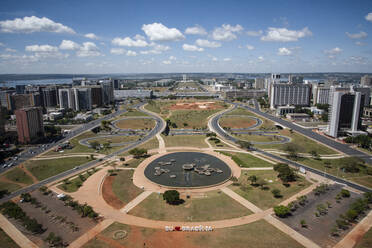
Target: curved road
159 127
214 125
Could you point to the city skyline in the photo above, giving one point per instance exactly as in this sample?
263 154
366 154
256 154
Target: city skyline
145 37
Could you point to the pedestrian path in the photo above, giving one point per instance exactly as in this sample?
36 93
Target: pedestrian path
15 234
241 200
135 201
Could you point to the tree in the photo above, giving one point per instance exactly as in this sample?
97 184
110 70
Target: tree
286 174
245 144
138 152
282 211
292 151
303 223
172 197
253 179
345 193
95 145
262 183
106 145
276 193
315 154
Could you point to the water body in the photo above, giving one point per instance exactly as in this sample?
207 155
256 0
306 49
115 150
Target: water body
187 178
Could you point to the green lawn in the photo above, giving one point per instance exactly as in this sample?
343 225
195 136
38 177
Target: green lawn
264 199
191 118
123 187
185 140
247 160
136 123
18 175
366 241
151 144
43 169
115 139
133 163
259 234
303 144
236 122
360 177
240 111
72 185
6 241
9 186
134 112
257 138
214 206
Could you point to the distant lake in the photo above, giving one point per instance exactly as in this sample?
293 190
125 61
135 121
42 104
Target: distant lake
37 82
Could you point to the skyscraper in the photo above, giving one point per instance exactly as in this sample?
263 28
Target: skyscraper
29 124
49 95
346 110
66 98
83 98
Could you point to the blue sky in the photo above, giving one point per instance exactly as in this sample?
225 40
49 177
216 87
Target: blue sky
55 36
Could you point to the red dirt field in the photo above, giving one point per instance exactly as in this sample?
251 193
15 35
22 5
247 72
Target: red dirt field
108 195
195 106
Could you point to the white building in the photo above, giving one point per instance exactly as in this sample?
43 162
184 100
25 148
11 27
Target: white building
366 80
259 83
66 98
346 109
321 94
289 94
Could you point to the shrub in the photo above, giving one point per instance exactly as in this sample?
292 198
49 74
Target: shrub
345 193
276 193
303 223
282 211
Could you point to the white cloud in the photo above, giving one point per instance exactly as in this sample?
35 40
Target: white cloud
333 52
172 58
359 43
360 35
284 51
260 58
226 32
285 35
192 48
139 37
357 60
117 51
88 49
369 17
10 50
91 36
41 48
214 59
131 53
167 62
159 32
207 43
30 24
227 59
254 33
69 45
249 47
156 49
196 30
1 44
129 42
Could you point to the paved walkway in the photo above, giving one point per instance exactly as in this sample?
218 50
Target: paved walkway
15 234
356 234
258 168
241 200
135 201
83 239
292 233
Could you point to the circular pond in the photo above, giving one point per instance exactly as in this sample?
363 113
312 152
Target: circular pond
188 169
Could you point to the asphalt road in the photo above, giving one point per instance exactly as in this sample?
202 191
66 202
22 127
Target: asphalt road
159 127
217 128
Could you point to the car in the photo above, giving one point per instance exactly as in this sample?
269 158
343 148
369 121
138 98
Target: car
4 166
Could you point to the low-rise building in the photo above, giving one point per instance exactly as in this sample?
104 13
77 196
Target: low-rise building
298 117
283 110
123 94
367 112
